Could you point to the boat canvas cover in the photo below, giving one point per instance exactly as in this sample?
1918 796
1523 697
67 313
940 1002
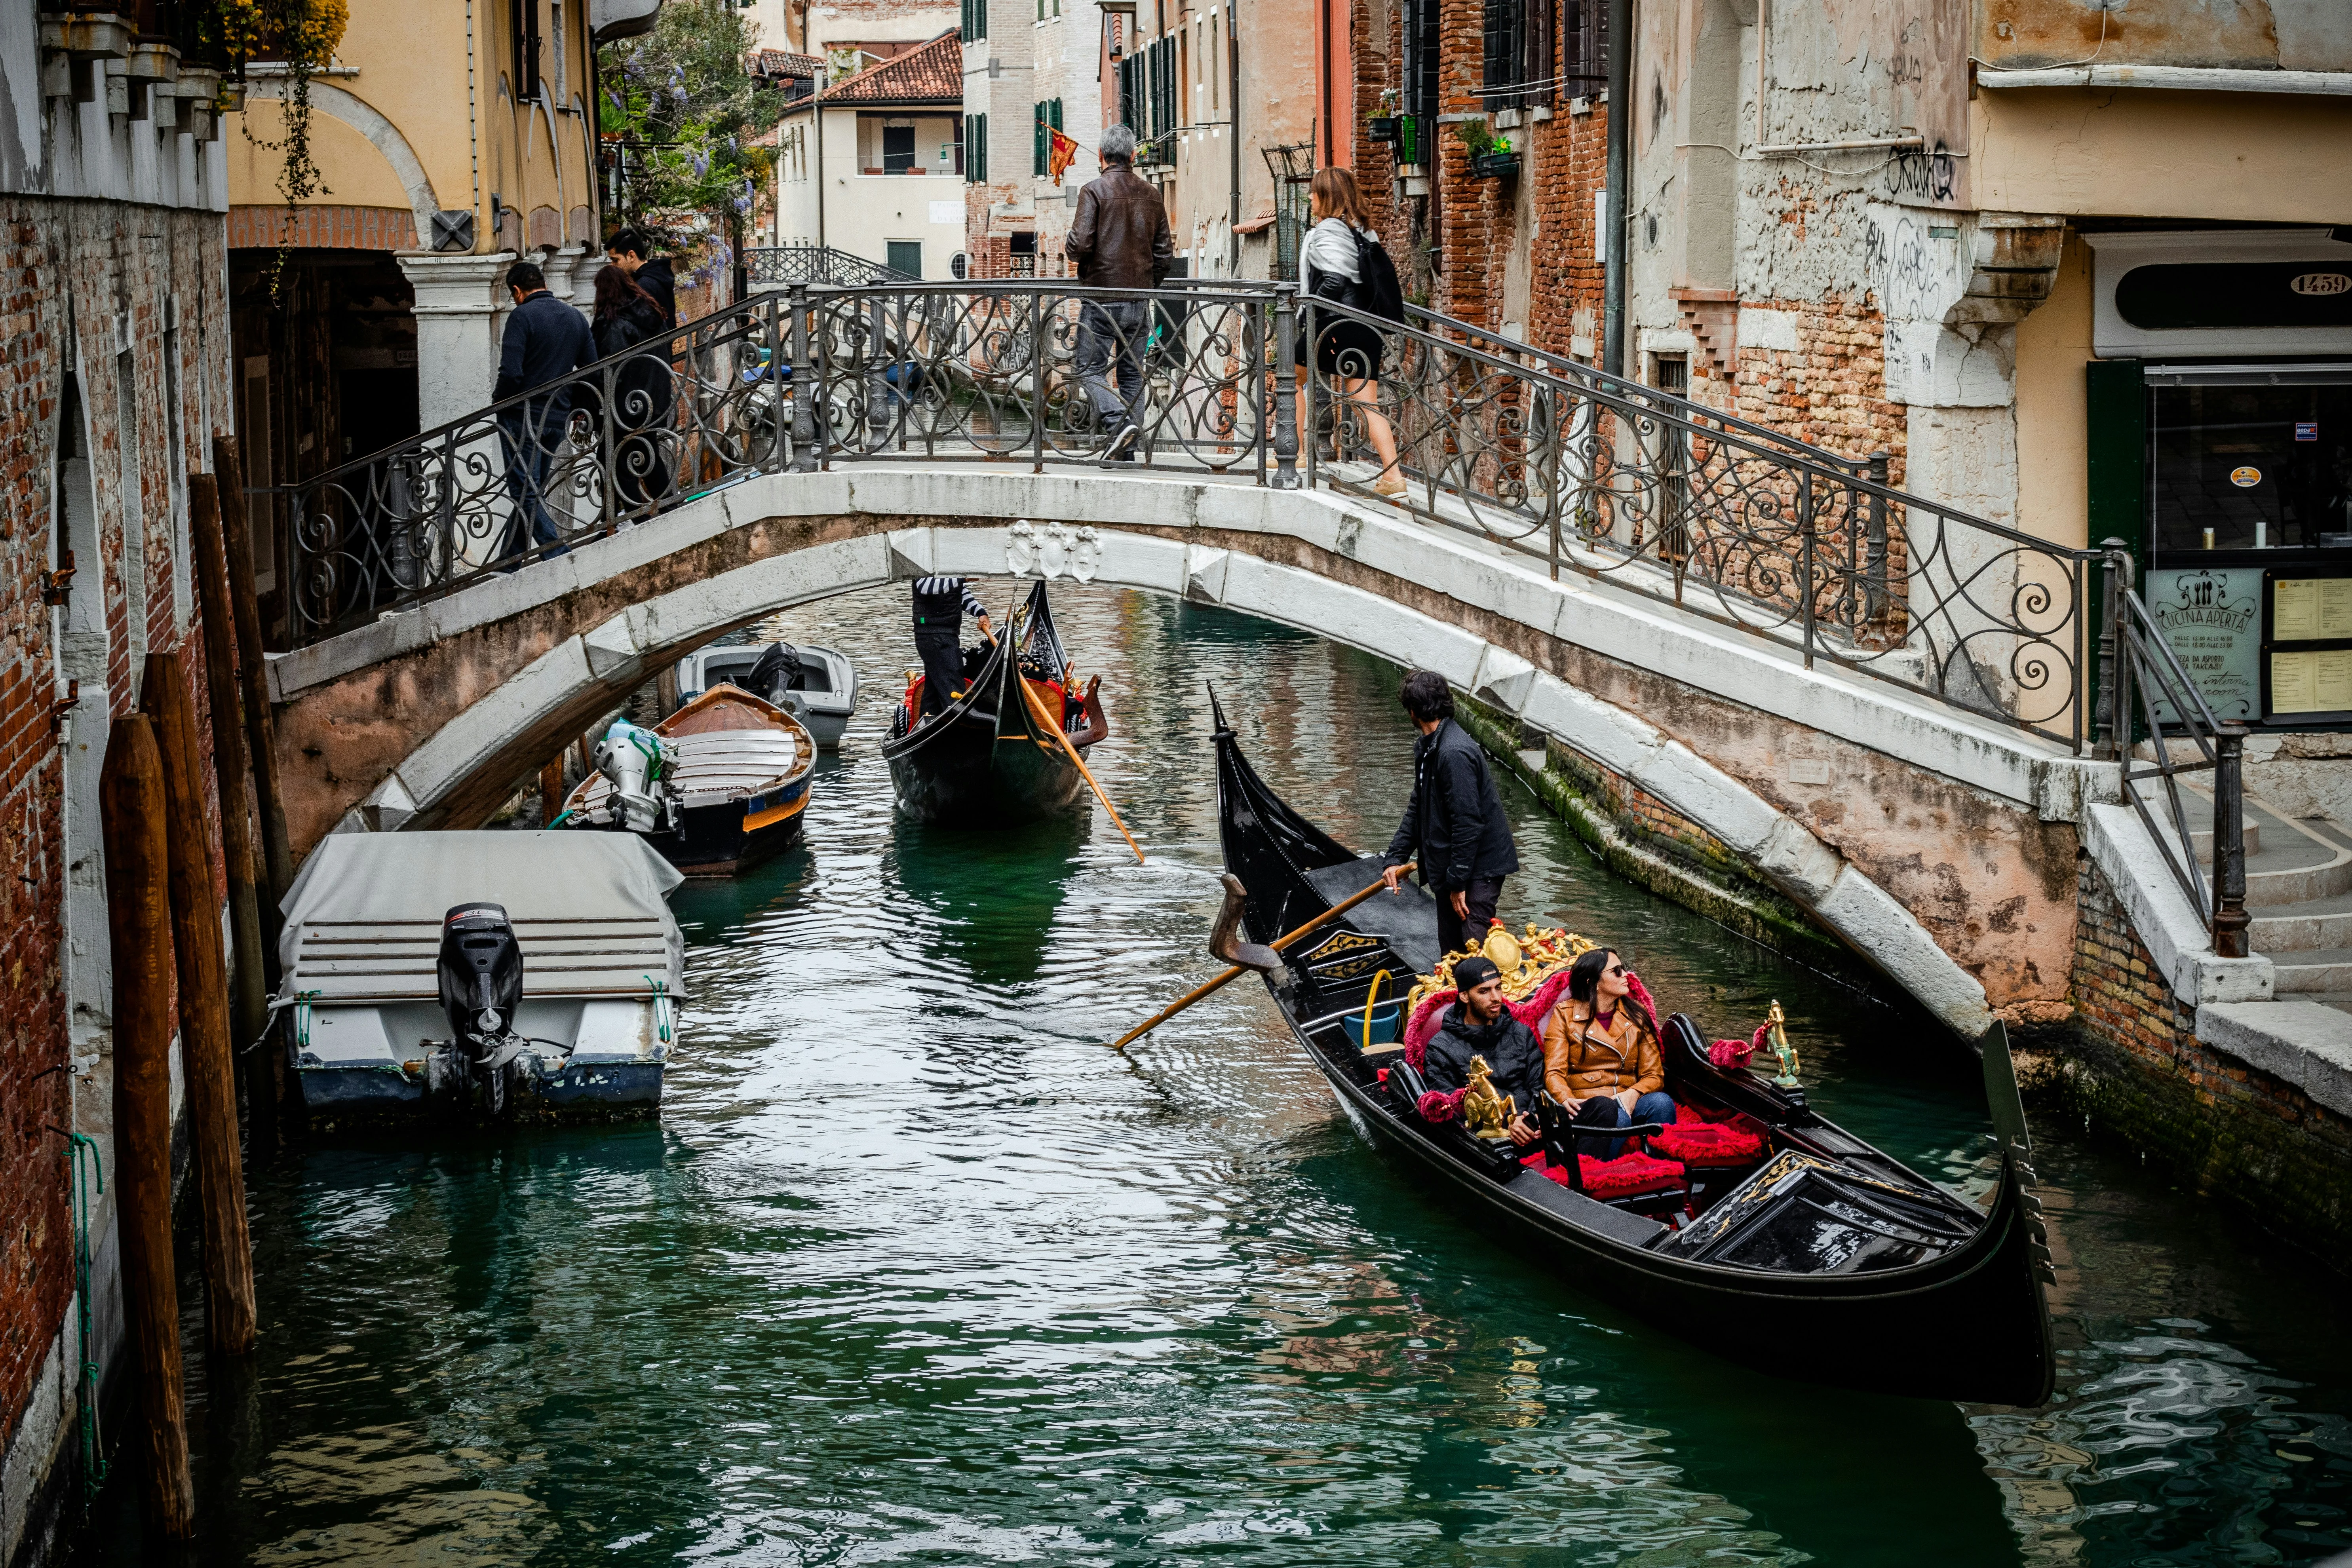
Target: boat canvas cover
591 911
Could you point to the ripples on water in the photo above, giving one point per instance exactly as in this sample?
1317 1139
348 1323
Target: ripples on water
912 1270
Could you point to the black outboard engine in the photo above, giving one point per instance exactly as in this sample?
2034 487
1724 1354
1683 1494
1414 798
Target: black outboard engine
774 676
480 973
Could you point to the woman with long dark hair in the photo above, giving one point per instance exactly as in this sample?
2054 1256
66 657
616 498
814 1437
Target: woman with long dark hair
1347 352
626 318
1602 1058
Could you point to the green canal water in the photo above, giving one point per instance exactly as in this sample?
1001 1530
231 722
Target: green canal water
912 1270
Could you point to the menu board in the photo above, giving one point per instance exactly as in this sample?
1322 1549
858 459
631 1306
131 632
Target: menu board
2212 620
2310 682
2310 609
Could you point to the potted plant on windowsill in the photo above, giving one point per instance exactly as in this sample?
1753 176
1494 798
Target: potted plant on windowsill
1492 157
1382 127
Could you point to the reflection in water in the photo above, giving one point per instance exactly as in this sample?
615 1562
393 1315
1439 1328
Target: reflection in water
989 898
913 1270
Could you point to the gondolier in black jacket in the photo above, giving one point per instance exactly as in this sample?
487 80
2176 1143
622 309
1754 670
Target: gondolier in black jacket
941 605
1453 821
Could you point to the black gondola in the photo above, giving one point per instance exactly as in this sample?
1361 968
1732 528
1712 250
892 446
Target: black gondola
988 759
1826 1259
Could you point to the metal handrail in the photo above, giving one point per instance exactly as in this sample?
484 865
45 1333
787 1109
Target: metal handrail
772 265
1589 473
2144 679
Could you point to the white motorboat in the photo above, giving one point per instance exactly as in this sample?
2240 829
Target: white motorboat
817 686
521 974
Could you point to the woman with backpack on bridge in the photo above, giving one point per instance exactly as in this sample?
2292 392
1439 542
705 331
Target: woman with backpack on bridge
1343 262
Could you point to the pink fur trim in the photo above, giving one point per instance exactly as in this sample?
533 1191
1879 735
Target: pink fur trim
1432 1011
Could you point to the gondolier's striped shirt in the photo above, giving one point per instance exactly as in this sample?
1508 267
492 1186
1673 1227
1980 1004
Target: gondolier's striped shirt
934 595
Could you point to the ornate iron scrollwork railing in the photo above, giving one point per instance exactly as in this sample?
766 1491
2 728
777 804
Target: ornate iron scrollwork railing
781 266
1679 502
1543 457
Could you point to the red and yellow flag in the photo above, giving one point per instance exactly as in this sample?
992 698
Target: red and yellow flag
1060 156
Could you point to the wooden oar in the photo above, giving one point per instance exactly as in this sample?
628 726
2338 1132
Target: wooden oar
1236 971
1037 712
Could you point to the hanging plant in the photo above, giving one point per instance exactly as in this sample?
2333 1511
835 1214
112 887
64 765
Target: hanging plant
303 34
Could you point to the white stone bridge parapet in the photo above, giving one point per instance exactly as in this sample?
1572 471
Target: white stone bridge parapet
1940 848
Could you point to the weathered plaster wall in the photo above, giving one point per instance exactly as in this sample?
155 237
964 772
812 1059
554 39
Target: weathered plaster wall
2245 35
2106 151
2054 344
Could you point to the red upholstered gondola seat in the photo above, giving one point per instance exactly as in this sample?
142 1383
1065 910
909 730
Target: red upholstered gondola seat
1695 1141
1626 1176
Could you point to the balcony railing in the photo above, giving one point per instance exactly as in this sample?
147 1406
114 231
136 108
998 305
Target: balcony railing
1544 458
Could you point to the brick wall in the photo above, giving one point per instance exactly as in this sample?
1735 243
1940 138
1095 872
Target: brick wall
1830 391
2132 1066
1465 245
81 281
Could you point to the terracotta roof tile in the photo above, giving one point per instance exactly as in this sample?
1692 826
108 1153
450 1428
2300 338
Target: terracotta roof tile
932 74
782 62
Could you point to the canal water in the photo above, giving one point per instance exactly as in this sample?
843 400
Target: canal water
912 1270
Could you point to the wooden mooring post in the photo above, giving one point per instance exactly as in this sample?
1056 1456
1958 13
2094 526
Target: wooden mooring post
250 992
207 1061
551 791
253 679
131 809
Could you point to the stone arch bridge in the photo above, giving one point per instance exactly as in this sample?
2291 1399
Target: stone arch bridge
1937 844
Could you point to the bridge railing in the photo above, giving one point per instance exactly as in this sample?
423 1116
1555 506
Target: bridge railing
781 266
2157 726
1587 472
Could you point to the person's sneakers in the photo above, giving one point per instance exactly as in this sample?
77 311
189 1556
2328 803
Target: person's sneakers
1389 483
1121 438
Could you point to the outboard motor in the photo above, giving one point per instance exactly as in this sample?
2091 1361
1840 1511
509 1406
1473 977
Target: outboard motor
480 975
638 764
772 676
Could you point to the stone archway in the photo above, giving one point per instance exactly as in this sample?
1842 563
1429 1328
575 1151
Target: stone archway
430 719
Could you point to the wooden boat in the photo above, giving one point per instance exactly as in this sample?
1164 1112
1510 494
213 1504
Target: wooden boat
988 759
1820 1259
822 694
742 782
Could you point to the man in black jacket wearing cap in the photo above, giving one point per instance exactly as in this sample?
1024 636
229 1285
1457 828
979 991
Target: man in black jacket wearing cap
1453 819
1481 1024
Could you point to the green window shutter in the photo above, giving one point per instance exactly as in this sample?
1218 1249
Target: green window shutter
1053 114
2115 465
983 149
1037 139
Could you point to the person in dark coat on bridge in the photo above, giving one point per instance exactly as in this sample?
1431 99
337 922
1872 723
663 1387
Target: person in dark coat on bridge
635 252
941 605
544 339
1119 239
1453 822
628 318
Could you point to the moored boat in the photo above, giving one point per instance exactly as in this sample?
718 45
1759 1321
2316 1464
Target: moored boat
817 686
1777 1239
717 787
992 757
391 938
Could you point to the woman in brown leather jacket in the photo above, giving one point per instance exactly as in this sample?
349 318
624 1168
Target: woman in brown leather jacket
1601 1059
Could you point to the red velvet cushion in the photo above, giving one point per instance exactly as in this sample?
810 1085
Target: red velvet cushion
1626 1176
1695 1141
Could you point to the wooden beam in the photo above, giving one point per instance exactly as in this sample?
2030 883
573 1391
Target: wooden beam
139 927
207 1061
253 677
250 989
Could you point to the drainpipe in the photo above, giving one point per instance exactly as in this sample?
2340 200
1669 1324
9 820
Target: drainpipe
1621 151
818 115
1234 118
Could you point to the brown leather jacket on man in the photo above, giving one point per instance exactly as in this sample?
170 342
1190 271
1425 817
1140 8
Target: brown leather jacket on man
1582 1058
1119 239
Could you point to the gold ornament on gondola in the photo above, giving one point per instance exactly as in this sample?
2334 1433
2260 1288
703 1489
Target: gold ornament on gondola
1775 1023
1524 962
1486 1111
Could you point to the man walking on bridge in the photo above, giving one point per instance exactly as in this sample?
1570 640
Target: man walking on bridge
544 340
1119 241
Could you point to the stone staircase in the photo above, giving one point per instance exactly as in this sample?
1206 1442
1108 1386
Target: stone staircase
2299 892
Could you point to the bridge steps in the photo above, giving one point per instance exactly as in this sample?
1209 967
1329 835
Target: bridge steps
2299 886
